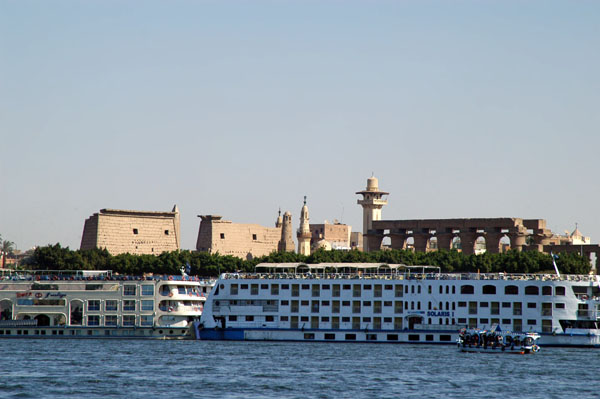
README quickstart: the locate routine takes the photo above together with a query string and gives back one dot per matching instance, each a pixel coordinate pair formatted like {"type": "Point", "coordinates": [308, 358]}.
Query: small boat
{"type": "Point", "coordinates": [497, 341]}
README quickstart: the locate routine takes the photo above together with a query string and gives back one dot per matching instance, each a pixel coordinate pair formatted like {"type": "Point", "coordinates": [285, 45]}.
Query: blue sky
{"type": "Point", "coordinates": [460, 108]}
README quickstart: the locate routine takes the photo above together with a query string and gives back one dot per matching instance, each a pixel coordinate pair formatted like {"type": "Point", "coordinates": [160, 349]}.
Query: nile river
{"type": "Point", "coordinates": [168, 369]}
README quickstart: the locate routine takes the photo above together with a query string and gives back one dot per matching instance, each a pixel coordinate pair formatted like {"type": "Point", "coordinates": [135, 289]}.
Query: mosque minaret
{"type": "Point", "coordinates": [286, 244]}
{"type": "Point", "coordinates": [372, 202]}
{"type": "Point", "coordinates": [303, 234]}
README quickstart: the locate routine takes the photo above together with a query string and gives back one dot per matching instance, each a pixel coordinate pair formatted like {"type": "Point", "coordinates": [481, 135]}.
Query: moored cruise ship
{"type": "Point", "coordinates": [397, 303]}
{"type": "Point", "coordinates": [93, 304]}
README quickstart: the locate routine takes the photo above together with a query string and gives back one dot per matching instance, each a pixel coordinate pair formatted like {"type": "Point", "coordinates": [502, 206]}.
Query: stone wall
{"type": "Point", "coordinates": [338, 235]}
{"type": "Point", "coordinates": [244, 241]}
{"type": "Point", "coordinates": [135, 232]}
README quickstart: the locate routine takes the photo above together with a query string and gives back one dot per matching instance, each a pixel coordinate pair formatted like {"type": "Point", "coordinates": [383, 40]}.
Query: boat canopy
{"type": "Point", "coordinates": [376, 268]}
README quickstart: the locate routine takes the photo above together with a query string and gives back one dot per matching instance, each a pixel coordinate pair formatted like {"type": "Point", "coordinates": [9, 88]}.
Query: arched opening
{"type": "Point", "coordinates": [42, 320]}
{"type": "Point", "coordinates": [59, 320]}
{"type": "Point", "coordinates": [511, 290]}
{"type": "Point", "coordinates": [467, 289]}
{"type": "Point", "coordinates": [76, 312]}
{"type": "Point", "coordinates": [6, 310]}
{"type": "Point", "coordinates": [432, 245]}
{"type": "Point", "coordinates": [386, 242]}
{"type": "Point", "coordinates": [504, 244]}
{"type": "Point", "coordinates": [412, 320]}
{"type": "Point", "coordinates": [456, 244]}
{"type": "Point", "coordinates": [489, 290]}
{"type": "Point", "coordinates": [480, 245]}
{"type": "Point", "coordinates": [410, 243]}
{"type": "Point", "coordinates": [532, 290]}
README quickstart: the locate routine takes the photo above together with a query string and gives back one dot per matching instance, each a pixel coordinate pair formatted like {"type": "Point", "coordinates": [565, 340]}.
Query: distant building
{"type": "Point", "coordinates": [244, 241]}
{"type": "Point", "coordinates": [356, 240]}
{"type": "Point", "coordinates": [134, 232]}
{"type": "Point", "coordinates": [330, 235]}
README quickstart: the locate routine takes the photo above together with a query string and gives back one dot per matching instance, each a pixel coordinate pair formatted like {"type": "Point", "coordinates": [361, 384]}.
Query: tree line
{"type": "Point", "coordinates": [55, 257]}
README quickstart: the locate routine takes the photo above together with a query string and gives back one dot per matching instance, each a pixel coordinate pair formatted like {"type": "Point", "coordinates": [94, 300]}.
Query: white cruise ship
{"type": "Point", "coordinates": [92, 304]}
{"type": "Point", "coordinates": [397, 303]}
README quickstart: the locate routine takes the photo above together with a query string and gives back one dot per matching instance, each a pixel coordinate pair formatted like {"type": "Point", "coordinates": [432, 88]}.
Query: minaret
{"type": "Point", "coordinates": [304, 231]}
{"type": "Point", "coordinates": [372, 202]}
{"type": "Point", "coordinates": [279, 220]}
{"type": "Point", "coordinates": [286, 244]}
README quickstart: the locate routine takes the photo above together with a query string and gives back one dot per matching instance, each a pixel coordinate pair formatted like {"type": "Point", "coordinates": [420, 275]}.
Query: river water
{"type": "Point", "coordinates": [145, 369]}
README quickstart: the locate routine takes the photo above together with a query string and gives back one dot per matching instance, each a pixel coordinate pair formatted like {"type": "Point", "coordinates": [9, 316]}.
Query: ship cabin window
{"type": "Point", "coordinates": [93, 305]}
{"type": "Point", "coordinates": [532, 290]}
{"type": "Point", "coordinates": [371, 337]}
{"type": "Point", "coordinates": [356, 292]}
{"type": "Point", "coordinates": [506, 304]}
{"type": "Point", "coordinates": [448, 290]}
{"type": "Point", "coordinates": [559, 291]}
{"type": "Point", "coordinates": [399, 291]}
{"type": "Point", "coordinates": [531, 322]}
{"type": "Point", "coordinates": [148, 304]}
{"type": "Point", "coordinates": [329, 336]}
{"type": "Point", "coordinates": [335, 290]}
{"type": "Point", "coordinates": [387, 303]}
{"type": "Point", "coordinates": [345, 303]}
{"type": "Point", "coordinates": [418, 305]}
{"type": "Point", "coordinates": [147, 290]}
{"type": "Point", "coordinates": [511, 290]}
{"type": "Point", "coordinates": [249, 318]}
{"type": "Point", "coordinates": [483, 304]}
{"type": "Point", "coordinates": [483, 321]}
{"type": "Point", "coordinates": [546, 290]}
{"type": "Point", "coordinates": [345, 320]}
{"type": "Point", "coordinates": [428, 305]}
{"type": "Point", "coordinates": [264, 286]}
{"type": "Point", "coordinates": [462, 320]}
{"type": "Point", "coordinates": [129, 305]}
{"type": "Point", "coordinates": [392, 337]}
{"type": "Point", "coordinates": [412, 289]}
{"type": "Point", "coordinates": [350, 337]}
{"type": "Point", "coordinates": [285, 303]}
{"type": "Point", "coordinates": [346, 286]}
{"type": "Point", "coordinates": [366, 319]}
{"type": "Point", "coordinates": [419, 289]}
{"type": "Point", "coordinates": [253, 289]}
{"type": "Point", "coordinates": [110, 305]}
{"type": "Point", "coordinates": [325, 286]}
{"type": "Point", "coordinates": [441, 290]}
{"type": "Point", "coordinates": [232, 318]}
{"type": "Point", "coordinates": [146, 320]}
{"type": "Point", "coordinates": [387, 287]}
{"type": "Point", "coordinates": [413, 337]}
{"type": "Point", "coordinates": [325, 303]}
{"type": "Point", "coordinates": [305, 286]}
{"type": "Point", "coordinates": [377, 291]}
{"type": "Point", "coordinates": [325, 319]}
{"type": "Point", "coordinates": [367, 287]}
{"type": "Point", "coordinates": [295, 290]}
{"type": "Point", "coordinates": [559, 305]}
{"type": "Point", "coordinates": [269, 318]}
{"type": "Point", "coordinates": [462, 304]}
{"type": "Point", "coordinates": [274, 289]}
{"type": "Point", "coordinates": [489, 290]}
{"type": "Point", "coordinates": [233, 289]}
{"type": "Point", "coordinates": [244, 286]}
{"type": "Point", "coordinates": [129, 290]}
{"type": "Point", "coordinates": [304, 303]}
{"type": "Point", "coordinates": [429, 337]}
{"type": "Point", "coordinates": [316, 290]}
{"type": "Point", "coordinates": [304, 318]}
{"type": "Point", "coordinates": [387, 319]}
{"type": "Point", "coordinates": [531, 305]}
{"type": "Point", "coordinates": [467, 289]}
{"type": "Point", "coordinates": [285, 286]}
{"type": "Point", "coordinates": [110, 320]}
{"type": "Point", "coordinates": [453, 289]}
{"type": "Point", "coordinates": [309, 335]}
{"type": "Point", "coordinates": [283, 318]}
{"type": "Point", "coordinates": [93, 320]}
{"type": "Point", "coordinates": [367, 303]}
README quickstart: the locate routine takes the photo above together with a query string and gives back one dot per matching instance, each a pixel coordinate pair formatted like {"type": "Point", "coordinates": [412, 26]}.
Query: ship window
{"type": "Point", "coordinates": [371, 337]}
{"type": "Point", "coordinates": [147, 290]}
{"type": "Point", "coordinates": [419, 289]}
{"type": "Point", "coordinates": [309, 336]}
{"type": "Point", "coordinates": [532, 290]}
{"type": "Point", "coordinates": [346, 286]}
{"type": "Point", "coordinates": [253, 289]}
{"type": "Point", "coordinates": [559, 291]}
{"type": "Point", "coordinates": [329, 336]}
{"type": "Point", "coordinates": [511, 290]}
{"type": "Point", "coordinates": [387, 303]}
{"type": "Point", "coordinates": [462, 304]}
{"type": "Point", "coordinates": [232, 318]}
{"type": "Point", "coordinates": [462, 320]}
{"type": "Point", "coordinates": [388, 287]}
{"type": "Point", "coordinates": [447, 290]}
{"type": "Point", "coordinates": [506, 304]}
{"type": "Point", "coordinates": [345, 319]}
{"type": "Point", "coordinates": [531, 322]}
{"type": "Point", "coordinates": [146, 320]}
{"type": "Point", "coordinates": [129, 320]}
{"type": "Point", "coordinates": [110, 320]}
{"type": "Point", "coordinates": [249, 318]}
{"type": "Point", "coordinates": [244, 286]}
{"type": "Point", "coordinates": [454, 289]}
{"type": "Point", "coordinates": [305, 286]}
{"type": "Point", "coordinates": [546, 290]}
{"type": "Point", "coordinates": [129, 290]}
{"type": "Point", "coordinates": [93, 305]}
{"type": "Point", "coordinates": [285, 303]}
{"type": "Point", "coordinates": [283, 318]}
{"type": "Point", "coordinates": [366, 319]}
{"type": "Point", "coordinates": [367, 303]}
{"type": "Point", "coordinates": [467, 289]}
{"type": "Point", "coordinates": [264, 286]}
{"type": "Point", "coordinates": [441, 289]}
{"type": "Point", "coordinates": [531, 305]}
{"type": "Point", "coordinates": [325, 286]}
{"type": "Point", "coordinates": [489, 290]}
{"type": "Point", "coordinates": [147, 304]}
{"type": "Point", "coordinates": [413, 337]}
{"type": "Point", "coordinates": [129, 305]}
{"type": "Point", "coordinates": [483, 304]}
{"type": "Point", "coordinates": [483, 321]}
{"type": "Point", "coordinates": [392, 337]}
{"type": "Point", "coordinates": [350, 337]}
{"type": "Point", "coordinates": [285, 286]}
{"type": "Point", "coordinates": [345, 303]}
{"type": "Point", "coordinates": [559, 305]}
{"type": "Point", "coordinates": [93, 320]}
{"type": "Point", "coordinates": [387, 319]}
{"type": "Point", "coordinates": [233, 289]}
{"type": "Point", "coordinates": [110, 305]}
{"type": "Point", "coordinates": [429, 337]}
{"type": "Point", "coordinates": [367, 286]}
{"type": "Point", "coordinates": [445, 338]}
{"type": "Point", "coordinates": [325, 303]}
{"type": "Point", "coordinates": [304, 303]}
{"type": "Point", "coordinates": [325, 319]}
{"type": "Point", "coordinates": [269, 318]}
{"type": "Point", "coordinates": [304, 318]}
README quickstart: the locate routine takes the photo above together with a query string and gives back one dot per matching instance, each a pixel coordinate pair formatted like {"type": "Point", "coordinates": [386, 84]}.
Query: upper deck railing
{"type": "Point", "coordinates": [87, 275]}
{"type": "Point", "coordinates": [412, 276]}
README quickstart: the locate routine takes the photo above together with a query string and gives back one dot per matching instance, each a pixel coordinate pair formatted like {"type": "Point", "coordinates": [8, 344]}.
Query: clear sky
{"type": "Point", "coordinates": [460, 108]}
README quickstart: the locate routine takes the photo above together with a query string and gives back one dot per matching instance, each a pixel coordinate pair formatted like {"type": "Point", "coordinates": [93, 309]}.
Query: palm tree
{"type": "Point", "coordinates": [6, 248]}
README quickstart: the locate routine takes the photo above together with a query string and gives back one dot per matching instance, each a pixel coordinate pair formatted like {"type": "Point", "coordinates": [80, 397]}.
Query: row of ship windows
{"type": "Point", "coordinates": [399, 290]}
{"type": "Point", "coordinates": [126, 320]}
{"type": "Point", "coordinates": [93, 305]}
{"type": "Point", "coordinates": [399, 306]}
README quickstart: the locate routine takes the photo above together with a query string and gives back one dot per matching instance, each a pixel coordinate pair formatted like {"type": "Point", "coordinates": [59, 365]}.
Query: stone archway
{"type": "Point", "coordinates": [480, 245]}
{"type": "Point", "coordinates": [456, 244]}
